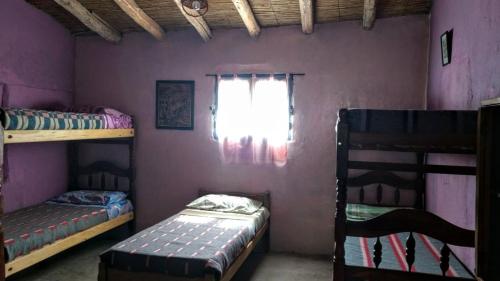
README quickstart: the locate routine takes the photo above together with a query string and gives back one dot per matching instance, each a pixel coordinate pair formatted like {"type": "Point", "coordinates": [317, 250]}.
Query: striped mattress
{"type": "Point", "coordinates": [190, 244]}
{"type": "Point", "coordinates": [359, 252]}
{"type": "Point", "coordinates": [31, 228]}
{"type": "Point", "coordinates": [31, 119]}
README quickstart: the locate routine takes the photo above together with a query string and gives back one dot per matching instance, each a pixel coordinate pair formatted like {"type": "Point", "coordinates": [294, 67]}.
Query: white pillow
{"type": "Point", "coordinates": [226, 203]}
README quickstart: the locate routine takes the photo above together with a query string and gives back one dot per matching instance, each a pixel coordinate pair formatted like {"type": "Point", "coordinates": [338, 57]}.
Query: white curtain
{"type": "Point", "coordinates": [252, 121]}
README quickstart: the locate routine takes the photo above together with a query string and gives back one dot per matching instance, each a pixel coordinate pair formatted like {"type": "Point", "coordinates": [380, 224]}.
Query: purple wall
{"type": "Point", "coordinates": [472, 76]}
{"type": "Point", "coordinates": [344, 66]}
{"type": "Point", "coordinates": [37, 67]}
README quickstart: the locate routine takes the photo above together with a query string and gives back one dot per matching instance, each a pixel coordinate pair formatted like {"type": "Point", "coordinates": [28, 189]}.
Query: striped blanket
{"type": "Point", "coordinates": [31, 119]}
{"type": "Point", "coordinates": [427, 253]}
{"type": "Point", "coordinates": [34, 227]}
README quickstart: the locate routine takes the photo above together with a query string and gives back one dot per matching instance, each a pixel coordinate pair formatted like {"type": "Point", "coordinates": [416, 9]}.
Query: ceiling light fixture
{"type": "Point", "coordinates": [195, 8]}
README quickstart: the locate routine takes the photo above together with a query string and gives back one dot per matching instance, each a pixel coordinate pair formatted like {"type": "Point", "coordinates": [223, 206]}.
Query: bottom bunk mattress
{"type": "Point", "coordinates": [191, 243]}
{"type": "Point", "coordinates": [32, 228]}
{"type": "Point", "coordinates": [358, 252]}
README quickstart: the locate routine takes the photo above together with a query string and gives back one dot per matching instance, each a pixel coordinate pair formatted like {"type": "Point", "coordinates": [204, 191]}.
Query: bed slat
{"type": "Point", "coordinates": [406, 167]}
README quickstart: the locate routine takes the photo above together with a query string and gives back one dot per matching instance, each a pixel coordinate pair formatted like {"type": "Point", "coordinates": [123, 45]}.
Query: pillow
{"type": "Point", "coordinates": [226, 203]}
{"type": "Point", "coordinates": [90, 197]}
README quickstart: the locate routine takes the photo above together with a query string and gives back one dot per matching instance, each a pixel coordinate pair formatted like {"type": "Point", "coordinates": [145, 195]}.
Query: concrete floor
{"type": "Point", "coordinates": [80, 264]}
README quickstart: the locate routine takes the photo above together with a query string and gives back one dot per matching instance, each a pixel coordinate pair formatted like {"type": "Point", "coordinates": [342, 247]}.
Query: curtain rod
{"type": "Point", "coordinates": [232, 74]}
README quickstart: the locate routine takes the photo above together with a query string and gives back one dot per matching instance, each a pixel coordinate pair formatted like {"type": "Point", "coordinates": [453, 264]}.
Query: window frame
{"type": "Point", "coordinates": [279, 76]}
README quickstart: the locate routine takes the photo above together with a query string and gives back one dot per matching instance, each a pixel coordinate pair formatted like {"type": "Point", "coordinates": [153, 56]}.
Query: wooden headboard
{"type": "Point", "coordinates": [103, 175]}
{"type": "Point", "coordinates": [379, 178]}
{"type": "Point", "coordinates": [264, 197]}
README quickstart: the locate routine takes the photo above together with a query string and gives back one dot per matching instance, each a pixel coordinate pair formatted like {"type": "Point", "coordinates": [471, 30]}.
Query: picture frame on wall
{"type": "Point", "coordinates": [446, 47]}
{"type": "Point", "coordinates": [175, 104]}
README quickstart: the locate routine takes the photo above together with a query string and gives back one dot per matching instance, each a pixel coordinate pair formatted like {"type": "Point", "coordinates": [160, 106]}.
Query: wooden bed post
{"type": "Point", "coordinates": [2, 258]}
{"type": "Point", "coordinates": [487, 194]}
{"type": "Point", "coordinates": [421, 183]}
{"type": "Point", "coordinates": [73, 150]}
{"type": "Point", "coordinates": [131, 167]}
{"type": "Point", "coordinates": [340, 214]}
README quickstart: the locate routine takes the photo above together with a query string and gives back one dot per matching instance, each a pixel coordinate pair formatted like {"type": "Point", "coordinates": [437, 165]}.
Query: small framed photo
{"type": "Point", "coordinates": [175, 105]}
{"type": "Point", "coordinates": [446, 47]}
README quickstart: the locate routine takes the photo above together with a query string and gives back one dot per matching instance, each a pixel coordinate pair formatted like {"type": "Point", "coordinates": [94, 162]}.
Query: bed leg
{"type": "Point", "coordinates": [131, 227]}
{"type": "Point", "coordinates": [103, 272]}
{"type": "Point", "coordinates": [267, 241]}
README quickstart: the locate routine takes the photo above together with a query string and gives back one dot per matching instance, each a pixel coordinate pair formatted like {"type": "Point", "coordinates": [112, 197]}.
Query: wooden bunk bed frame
{"type": "Point", "coordinates": [26, 136]}
{"type": "Point", "coordinates": [263, 235]}
{"type": "Point", "coordinates": [111, 136]}
{"type": "Point", "coordinates": [419, 132]}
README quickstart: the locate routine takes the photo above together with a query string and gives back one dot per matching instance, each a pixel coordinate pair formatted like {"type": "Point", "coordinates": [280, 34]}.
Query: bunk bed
{"type": "Point", "coordinates": [36, 233]}
{"type": "Point", "coordinates": [195, 244]}
{"type": "Point", "coordinates": [409, 243]}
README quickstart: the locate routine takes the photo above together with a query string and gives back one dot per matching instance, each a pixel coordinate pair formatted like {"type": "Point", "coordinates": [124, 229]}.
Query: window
{"type": "Point", "coordinates": [253, 117]}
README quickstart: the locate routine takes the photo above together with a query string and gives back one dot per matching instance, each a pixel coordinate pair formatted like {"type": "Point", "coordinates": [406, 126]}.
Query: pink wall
{"type": "Point", "coordinates": [344, 66]}
{"type": "Point", "coordinates": [473, 75]}
{"type": "Point", "coordinates": [37, 67]}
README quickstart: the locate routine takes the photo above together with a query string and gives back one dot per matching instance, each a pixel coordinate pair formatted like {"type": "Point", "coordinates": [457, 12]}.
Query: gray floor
{"type": "Point", "coordinates": [80, 264]}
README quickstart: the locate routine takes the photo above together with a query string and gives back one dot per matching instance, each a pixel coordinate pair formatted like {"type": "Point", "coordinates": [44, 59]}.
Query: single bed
{"type": "Point", "coordinates": [191, 245]}
{"type": "Point", "coordinates": [38, 232]}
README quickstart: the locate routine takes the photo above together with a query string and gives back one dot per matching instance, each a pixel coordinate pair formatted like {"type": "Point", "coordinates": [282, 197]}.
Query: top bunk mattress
{"type": "Point", "coordinates": [189, 244]}
{"type": "Point", "coordinates": [32, 119]}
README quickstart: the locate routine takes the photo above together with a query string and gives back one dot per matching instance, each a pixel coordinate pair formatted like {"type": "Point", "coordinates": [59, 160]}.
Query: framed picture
{"type": "Point", "coordinates": [446, 47]}
{"type": "Point", "coordinates": [175, 105]}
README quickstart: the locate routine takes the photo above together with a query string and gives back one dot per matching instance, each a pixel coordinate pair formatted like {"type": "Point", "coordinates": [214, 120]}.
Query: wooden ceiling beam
{"type": "Point", "coordinates": [369, 14]}
{"type": "Point", "coordinates": [198, 23]}
{"type": "Point", "coordinates": [91, 20]}
{"type": "Point", "coordinates": [306, 16]}
{"type": "Point", "coordinates": [131, 8]}
{"type": "Point", "coordinates": [247, 16]}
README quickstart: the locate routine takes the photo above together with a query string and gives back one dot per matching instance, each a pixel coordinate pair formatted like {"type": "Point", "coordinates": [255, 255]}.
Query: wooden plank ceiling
{"type": "Point", "coordinates": [226, 14]}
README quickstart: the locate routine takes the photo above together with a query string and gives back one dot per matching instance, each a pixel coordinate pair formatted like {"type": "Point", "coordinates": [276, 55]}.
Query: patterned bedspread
{"type": "Point", "coordinates": [31, 228]}
{"type": "Point", "coordinates": [190, 243]}
{"type": "Point", "coordinates": [359, 251]}
{"type": "Point", "coordinates": [30, 119]}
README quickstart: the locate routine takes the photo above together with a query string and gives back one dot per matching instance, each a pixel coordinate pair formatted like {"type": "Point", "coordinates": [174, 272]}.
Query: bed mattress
{"type": "Point", "coordinates": [190, 243]}
{"type": "Point", "coordinates": [31, 228]}
{"type": "Point", "coordinates": [30, 119]}
{"type": "Point", "coordinates": [427, 253]}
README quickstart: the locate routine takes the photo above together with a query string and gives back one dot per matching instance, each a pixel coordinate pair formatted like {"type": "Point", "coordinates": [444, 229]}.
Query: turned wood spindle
{"type": "Point", "coordinates": [103, 181]}
{"type": "Point", "coordinates": [410, 251]}
{"type": "Point", "coordinates": [380, 189]}
{"type": "Point", "coordinates": [397, 196]}
{"type": "Point", "coordinates": [377, 253]}
{"type": "Point", "coordinates": [445, 259]}
{"type": "Point", "coordinates": [362, 195]}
